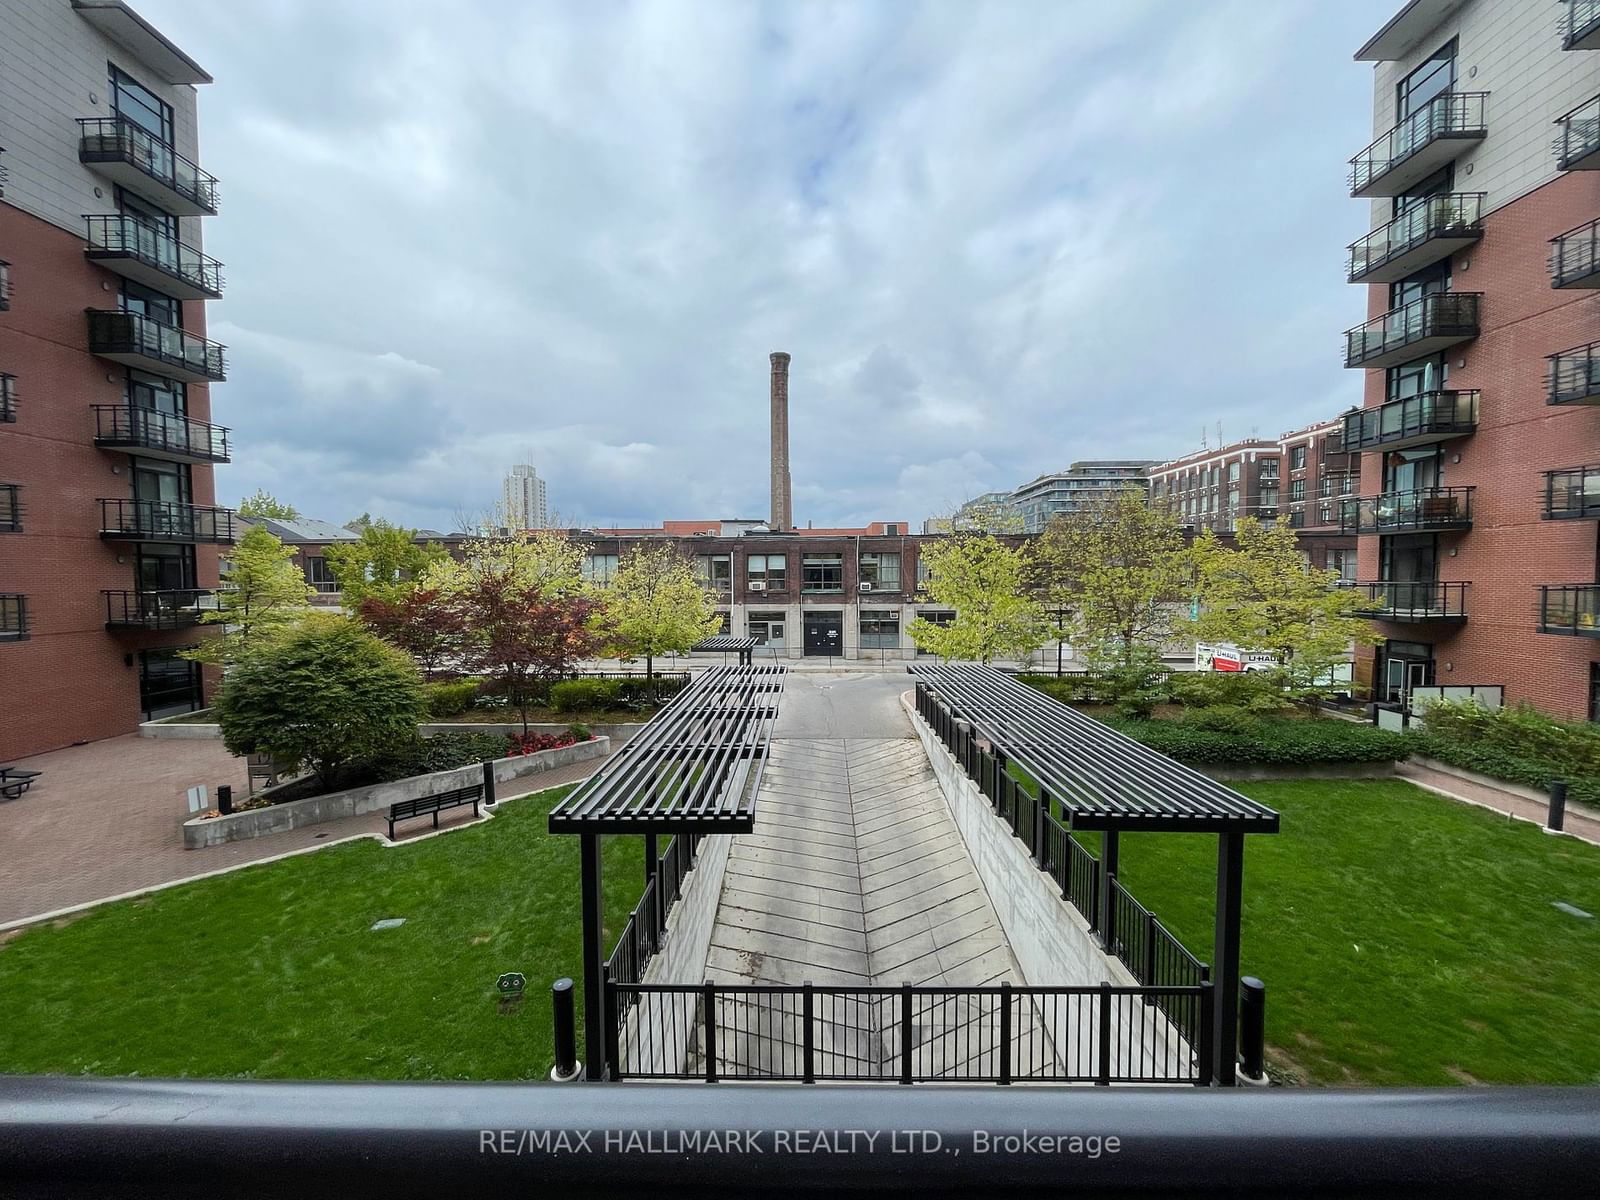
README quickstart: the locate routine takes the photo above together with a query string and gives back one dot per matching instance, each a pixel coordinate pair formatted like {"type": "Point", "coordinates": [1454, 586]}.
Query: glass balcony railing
{"type": "Point", "coordinates": [159, 434]}
{"type": "Point", "coordinates": [1573, 494]}
{"type": "Point", "coordinates": [140, 341]}
{"type": "Point", "coordinates": [143, 163]}
{"type": "Point", "coordinates": [164, 521]}
{"type": "Point", "coordinates": [1572, 610]}
{"type": "Point", "coordinates": [1419, 145]}
{"type": "Point", "coordinates": [1413, 421]}
{"type": "Point", "coordinates": [175, 609]}
{"type": "Point", "coordinates": [1575, 257]}
{"type": "Point", "coordinates": [131, 247]}
{"type": "Point", "coordinates": [1422, 235]}
{"type": "Point", "coordinates": [1574, 376]}
{"type": "Point", "coordinates": [1425, 326]}
{"type": "Point", "coordinates": [1578, 143]}
{"type": "Point", "coordinates": [1420, 509]}
{"type": "Point", "coordinates": [1412, 600]}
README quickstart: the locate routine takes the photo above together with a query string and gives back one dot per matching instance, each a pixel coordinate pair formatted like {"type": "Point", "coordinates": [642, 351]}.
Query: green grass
{"type": "Point", "coordinates": [272, 972]}
{"type": "Point", "coordinates": [1404, 939]}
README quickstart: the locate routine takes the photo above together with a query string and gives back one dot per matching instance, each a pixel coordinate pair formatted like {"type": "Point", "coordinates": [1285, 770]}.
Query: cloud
{"type": "Point", "coordinates": [995, 237]}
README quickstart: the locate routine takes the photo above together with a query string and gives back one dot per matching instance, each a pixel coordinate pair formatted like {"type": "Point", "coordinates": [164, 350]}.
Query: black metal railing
{"type": "Point", "coordinates": [171, 609]}
{"type": "Point", "coordinates": [122, 235]}
{"type": "Point", "coordinates": [8, 397]}
{"type": "Point", "coordinates": [1413, 600]}
{"type": "Point", "coordinates": [1579, 139]}
{"type": "Point", "coordinates": [1580, 24]}
{"type": "Point", "coordinates": [116, 333]}
{"type": "Point", "coordinates": [13, 616]}
{"type": "Point", "coordinates": [127, 425]}
{"type": "Point", "coordinates": [1453, 215]}
{"type": "Point", "coordinates": [164, 520]}
{"type": "Point", "coordinates": [647, 923]}
{"type": "Point", "coordinates": [1572, 494]}
{"type": "Point", "coordinates": [1439, 315]}
{"type": "Point", "coordinates": [1452, 115]}
{"type": "Point", "coordinates": [1423, 417]}
{"type": "Point", "coordinates": [820, 1033]}
{"type": "Point", "coordinates": [1569, 609]}
{"type": "Point", "coordinates": [1400, 512]}
{"type": "Point", "coordinates": [5, 285]}
{"type": "Point", "coordinates": [10, 508]}
{"type": "Point", "coordinates": [1574, 375]}
{"type": "Point", "coordinates": [1575, 257]}
{"type": "Point", "coordinates": [117, 139]}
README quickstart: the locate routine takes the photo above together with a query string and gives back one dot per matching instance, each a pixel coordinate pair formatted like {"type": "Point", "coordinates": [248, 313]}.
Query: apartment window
{"type": "Point", "coordinates": [1347, 485]}
{"type": "Point", "coordinates": [1269, 497]}
{"type": "Point", "coordinates": [157, 480]}
{"type": "Point", "coordinates": [880, 629]}
{"type": "Point", "coordinates": [766, 628]}
{"type": "Point", "coordinates": [156, 393]}
{"type": "Point", "coordinates": [1233, 500]}
{"type": "Point", "coordinates": [1297, 490]}
{"type": "Point", "coordinates": [1325, 514]}
{"type": "Point", "coordinates": [1233, 472]}
{"type": "Point", "coordinates": [1427, 83]}
{"type": "Point", "coordinates": [1269, 468]}
{"type": "Point", "coordinates": [320, 576]}
{"type": "Point", "coordinates": [1297, 458]}
{"type": "Point", "coordinates": [10, 508]}
{"type": "Point", "coordinates": [168, 684]}
{"type": "Point", "coordinates": [770, 571]}
{"type": "Point", "coordinates": [600, 568]}
{"type": "Point", "coordinates": [165, 568]}
{"type": "Point", "coordinates": [714, 571]}
{"type": "Point", "coordinates": [822, 573]}
{"type": "Point", "coordinates": [882, 571]}
{"type": "Point", "coordinates": [13, 617]}
{"type": "Point", "coordinates": [1413, 378]}
{"type": "Point", "coordinates": [893, 529]}
{"type": "Point", "coordinates": [135, 102]}
{"type": "Point", "coordinates": [936, 617]}
{"type": "Point", "coordinates": [153, 304]}
{"type": "Point", "coordinates": [725, 621]}
{"type": "Point", "coordinates": [1344, 562]}
{"type": "Point", "coordinates": [1594, 691]}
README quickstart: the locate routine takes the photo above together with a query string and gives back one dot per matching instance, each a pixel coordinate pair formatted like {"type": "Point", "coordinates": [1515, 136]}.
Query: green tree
{"type": "Point", "coordinates": [264, 594]}
{"type": "Point", "coordinates": [264, 504]}
{"type": "Point", "coordinates": [1263, 595]}
{"type": "Point", "coordinates": [384, 561]}
{"type": "Point", "coordinates": [542, 563]}
{"type": "Point", "coordinates": [328, 696]}
{"type": "Point", "coordinates": [987, 583]}
{"type": "Point", "coordinates": [654, 605]}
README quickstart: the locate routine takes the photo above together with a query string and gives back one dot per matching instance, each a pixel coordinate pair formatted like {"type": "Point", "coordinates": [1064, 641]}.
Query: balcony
{"type": "Point", "coordinates": [1413, 421]}
{"type": "Point", "coordinates": [1578, 144]}
{"type": "Point", "coordinates": [1572, 495]}
{"type": "Point", "coordinates": [138, 341]}
{"type": "Point", "coordinates": [5, 286]}
{"type": "Point", "coordinates": [1412, 600]}
{"type": "Point", "coordinates": [10, 508]}
{"type": "Point", "coordinates": [1575, 258]}
{"type": "Point", "coordinates": [1580, 27]}
{"type": "Point", "coordinates": [1433, 230]}
{"type": "Point", "coordinates": [1425, 326]}
{"type": "Point", "coordinates": [155, 434]}
{"type": "Point", "coordinates": [1574, 611]}
{"type": "Point", "coordinates": [152, 257]}
{"type": "Point", "coordinates": [164, 521]}
{"type": "Point", "coordinates": [178, 609]}
{"type": "Point", "coordinates": [13, 617]}
{"type": "Point", "coordinates": [1574, 376]}
{"type": "Point", "coordinates": [8, 397]}
{"type": "Point", "coordinates": [1416, 511]}
{"type": "Point", "coordinates": [1421, 144]}
{"type": "Point", "coordinates": [132, 156]}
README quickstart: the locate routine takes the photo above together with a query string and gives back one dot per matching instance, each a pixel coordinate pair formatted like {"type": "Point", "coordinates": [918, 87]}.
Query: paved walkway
{"type": "Point", "coordinates": [1580, 823]}
{"type": "Point", "coordinates": [106, 819]}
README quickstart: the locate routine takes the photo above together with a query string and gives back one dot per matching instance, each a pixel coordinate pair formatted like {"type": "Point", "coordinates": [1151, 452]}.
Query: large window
{"type": "Point", "coordinates": [1297, 490]}
{"type": "Point", "coordinates": [766, 628]}
{"type": "Point", "coordinates": [1344, 562]}
{"type": "Point", "coordinates": [1269, 469]}
{"type": "Point", "coordinates": [600, 568]}
{"type": "Point", "coordinates": [1413, 378]}
{"type": "Point", "coordinates": [320, 575]}
{"type": "Point", "coordinates": [769, 571]}
{"type": "Point", "coordinates": [935, 617]}
{"type": "Point", "coordinates": [163, 568]}
{"type": "Point", "coordinates": [715, 572]}
{"type": "Point", "coordinates": [1297, 458]}
{"type": "Point", "coordinates": [168, 684]}
{"type": "Point", "coordinates": [153, 304]}
{"type": "Point", "coordinates": [132, 100]}
{"type": "Point", "coordinates": [822, 573]}
{"type": "Point", "coordinates": [880, 629]}
{"type": "Point", "coordinates": [882, 571]}
{"type": "Point", "coordinates": [1429, 81]}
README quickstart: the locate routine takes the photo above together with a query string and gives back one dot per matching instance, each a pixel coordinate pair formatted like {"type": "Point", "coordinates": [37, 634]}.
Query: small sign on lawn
{"type": "Point", "coordinates": [198, 799]}
{"type": "Point", "coordinates": [511, 983]}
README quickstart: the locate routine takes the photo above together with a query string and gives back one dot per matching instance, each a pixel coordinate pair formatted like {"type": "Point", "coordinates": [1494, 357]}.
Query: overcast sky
{"type": "Point", "coordinates": [995, 238]}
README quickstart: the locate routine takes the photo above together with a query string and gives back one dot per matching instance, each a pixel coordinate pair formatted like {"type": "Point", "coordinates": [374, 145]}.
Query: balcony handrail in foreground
{"type": "Point", "coordinates": [169, 608]}
{"type": "Point", "coordinates": [151, 429]}
{"type": "Point", "coordinates": [1417, 508]}
{"type": "Point", "coordinates": [117, 139]}
{"type": "Point", "coordinates": [115, 332]}
{"type": "Point", "coordinates": [1572, 494]}
{"type": "Point", "coordinates": [1452, 315]}
{"type": "Point", "coordinates": [1450, 214]}
{"type": "Point", "coordinates": [1579, 140]}
{"type": "Point", "coordinates": [1441, 414]}
{"type": "Point", "coordinates": [1413, 600]}
{"type": "Point", "coordinates": [124, 234]}
{"type": "Point", "coordinates": [1451, 115]}
{"type": "Point", "coordinates": [165, 520]}
{"type": "Point", "coordinates": [1571, 609]}
{"type": "Point", "coordinates": [1574, 375]}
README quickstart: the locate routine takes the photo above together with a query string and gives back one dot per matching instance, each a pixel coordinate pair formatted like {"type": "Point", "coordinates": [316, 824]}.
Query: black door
{"type": "Point", "coordinates": [168, 684]}
{"type": "Point", "coordinates": [824, 633]}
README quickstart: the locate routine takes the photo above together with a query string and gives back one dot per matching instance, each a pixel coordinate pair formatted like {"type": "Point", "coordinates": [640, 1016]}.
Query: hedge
{"type": "Point", "coordinates": [1280, 741]}
{"type": "Point", "coordinates": [1486, 758]}
{"type": "Point", "coordinates": [451, 698]}
{"type": "Point", "coordinates": [572, 695]}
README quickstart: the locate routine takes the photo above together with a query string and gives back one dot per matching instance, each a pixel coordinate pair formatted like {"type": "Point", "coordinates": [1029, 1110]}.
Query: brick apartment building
{"type": "Point", "coordinates": [109, 537]}
{"type": "Point", "coordinates": [1478, 436]}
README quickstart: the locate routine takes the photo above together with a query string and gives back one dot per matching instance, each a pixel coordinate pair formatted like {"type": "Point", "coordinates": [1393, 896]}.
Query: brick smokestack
{"type": "Point", "coordinates": [782, 508]}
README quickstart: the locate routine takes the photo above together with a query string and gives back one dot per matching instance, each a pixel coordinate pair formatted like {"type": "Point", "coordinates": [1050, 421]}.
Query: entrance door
{"type": "Point", "coordinates": [824, 633]}
{"type": "Point", "coordinates": [1407, 665]}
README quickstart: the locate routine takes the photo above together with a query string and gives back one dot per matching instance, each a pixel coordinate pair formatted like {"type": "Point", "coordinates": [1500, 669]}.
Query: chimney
{"type": "Point", "coordinates": [782, 509]}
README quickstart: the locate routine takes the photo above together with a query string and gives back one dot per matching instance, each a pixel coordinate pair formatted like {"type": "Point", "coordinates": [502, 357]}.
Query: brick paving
{"type": "Point", "coordinates": [106, 818]}
{"type": "Point", "coordinates": [1580, 822]}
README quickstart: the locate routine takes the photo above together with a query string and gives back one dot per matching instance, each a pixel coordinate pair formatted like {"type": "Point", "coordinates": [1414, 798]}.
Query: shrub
{"type": "Point", "coordinates": [1258, 692]}
{"type": "Point", "coordinates": [1069, 689]}
{"type": "Point", "coordinates": [574, 695]}
{"type": "Point", "coordinates": [1273, 741]}
{"type": "Point", "coordinates": [580, 733]}
{"type": "Point", "coordinates": [1221, 718]}
{"type": "Point", "coordinates": [1519, 745]}
{"type": "Point", "coordinates": [451, 698]}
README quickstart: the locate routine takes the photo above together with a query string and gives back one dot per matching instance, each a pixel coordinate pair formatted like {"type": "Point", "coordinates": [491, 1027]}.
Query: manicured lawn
{"type": "Point", "coordinates": [273, 972]}
{"type": "Point", "coordinates": [1403, 938]}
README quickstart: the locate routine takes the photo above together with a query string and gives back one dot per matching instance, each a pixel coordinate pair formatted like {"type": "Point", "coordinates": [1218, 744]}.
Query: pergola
{"type": "Point", "coordinates": [693, 769]}
{"type": "Point", "coordinates": [727, 643]}
{"type": "Point", "coordinates": [1106, 781]}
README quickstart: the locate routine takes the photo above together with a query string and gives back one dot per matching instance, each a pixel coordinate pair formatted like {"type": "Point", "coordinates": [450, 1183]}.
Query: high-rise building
{"type": "Point", "coordinates": [1479, 436]}
{"type": "Point", "coordinates": [525, 506]}
{"type": "Point", "coordinates": [1080, 485]}
{"type": "Point", "coordinates": [109, 532]}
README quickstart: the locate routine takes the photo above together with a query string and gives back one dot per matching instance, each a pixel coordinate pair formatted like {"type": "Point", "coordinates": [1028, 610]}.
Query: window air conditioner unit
{"type": "Point", "coordinates": [865, 587]}
{"type": "Point", "coordinates": [757, 585]}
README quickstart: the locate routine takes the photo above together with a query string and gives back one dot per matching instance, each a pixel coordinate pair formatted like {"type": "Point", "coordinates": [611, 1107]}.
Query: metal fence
{"type": "Point", "coordinates": [647, 923]}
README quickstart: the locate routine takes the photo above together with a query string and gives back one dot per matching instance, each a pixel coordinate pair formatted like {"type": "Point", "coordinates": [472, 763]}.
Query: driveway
{"type": "Point", "coordinates": [857, 705]}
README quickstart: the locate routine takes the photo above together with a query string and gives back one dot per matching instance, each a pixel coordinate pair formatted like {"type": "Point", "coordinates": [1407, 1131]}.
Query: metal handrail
{"type": "Point", "coordinates": [1438, 314]}
{"type": "Point", "coordinates": [1571, 609]}
{"type": "Point", "coordinates": [166, 519]}
{"type": "Point", "coordinates": [10, 508]}
{"type": "Point", "coordinates": [1451, 214]}
{"type": "Point", "coordinates": [13, 616]}
{"type": "Point", "coordinates": [1453, 113]}
{"type": "Point", "coordinates": [1418, 508]}
{"type": "Point", "coordinates": [129, 424]}
{"type": "Point", "coordinates": [1446, 412]}
{"type": "Point", "coordinates": [113, 331]}
{"type": "Point", "coordinates": [117, 136]}
{"type": "Point", "coordinates": [1574, 492]}
{"type": "Point", "coordinates": [8, 397]}
{"type": "Point", "coordinates": [1582, 18]}
{"type": "Point", "coordinates": [1575, 254]}
{"type": "Point", "coordinates": [122, 233]}
{"type": "Point", "coordinates": [1414, 599]}
{"type": "Point", "coordinates": [172, 608]}
{"type": "Point", "coordinates": [1580, 134]}
{"type": "Point", "coordinates": [1574, 374]}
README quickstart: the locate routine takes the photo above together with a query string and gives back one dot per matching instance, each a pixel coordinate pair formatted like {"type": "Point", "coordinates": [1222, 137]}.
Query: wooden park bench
{"type": "Point", "coordinates": [14, 781]}
{"type": "Point", "coordinates": [404, 810]}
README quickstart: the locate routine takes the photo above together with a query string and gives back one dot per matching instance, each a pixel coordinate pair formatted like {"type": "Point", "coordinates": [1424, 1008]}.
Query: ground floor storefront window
{"type": "Point", "coordinates": [880, 629]}
{"type": "Point", "coordinates": [766, 628]}
{"type": "Point", "coordinates": [169, 684]}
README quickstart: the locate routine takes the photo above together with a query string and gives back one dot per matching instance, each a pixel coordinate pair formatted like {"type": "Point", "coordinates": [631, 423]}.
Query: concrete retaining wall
{"type": "Point", "coordinates": [618, 733]}
{"type": "Point", "coordinates": [294, 814]}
